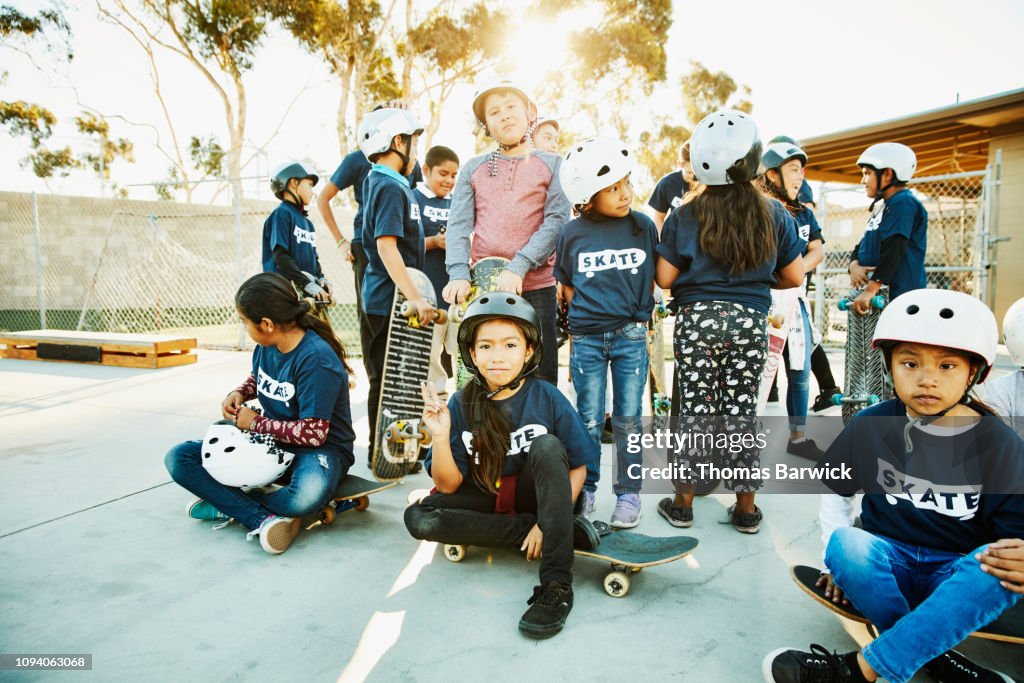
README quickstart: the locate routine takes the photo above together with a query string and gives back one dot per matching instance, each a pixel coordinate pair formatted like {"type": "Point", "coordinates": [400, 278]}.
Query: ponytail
{"type": "Point", "coordinates": [491, 436]}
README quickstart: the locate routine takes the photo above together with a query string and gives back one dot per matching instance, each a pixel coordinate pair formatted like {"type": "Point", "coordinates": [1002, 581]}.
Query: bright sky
{"type": "Point", "coordinates": [813, 68]}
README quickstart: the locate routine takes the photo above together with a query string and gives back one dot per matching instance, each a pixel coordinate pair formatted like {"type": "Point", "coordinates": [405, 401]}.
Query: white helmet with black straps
{"type": "Point", "coordinates": [378, 128]}
{"type": "Point", "coordinates": [592, 166]}
{"type": "Point", "coordinates": [940, 317]}
{"type": "Point", "coordinates": [1013, 332]}
{"type": "Point", "coordinates": [502, 84]}
{"type": "Point", "coordinates": [241, 458]}
{"type": "Point", "coordinates": [725, 149]}
{"type": "Point", "coordinates": [900, 158]}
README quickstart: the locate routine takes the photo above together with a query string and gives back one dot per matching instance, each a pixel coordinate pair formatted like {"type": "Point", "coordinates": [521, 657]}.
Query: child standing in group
{"type": "Point", "coordinates": [545, 135]}
{"type": "Point", "coordinates": [289, 238]}
{"type": "Point", "coordinates": [721, 252]}
{"type": "Point", "coordinates": [393, 235]}
{"type": "Point", "coordinates": [942, 481]}
{"type": "Point", "coordinates": [605, 263]}
{"type": "Point", "coordinates": [300, 378]}
{"type": "Point", "coordinates": [509, 457]}
{"type": "Point", "coordinates": [668, 193]}
{"type": "Point", "coordinates": [893, 248]}
{"type": "Point", "coordinates": [784, 173]}
{"type": "Point", "coordinates": [510, 202]}
{"type": "Point", "coordinates": [433, 196]}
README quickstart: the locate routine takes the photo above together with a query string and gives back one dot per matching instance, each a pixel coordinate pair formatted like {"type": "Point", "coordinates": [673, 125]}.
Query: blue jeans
{"type": "Point", "coordinates": [625, 351]}
{"type": "Point", "coordinates": [799, 386]}
{"type": "Point", "coordinates": [922, 601]}
{"type": "Point", "coordinates": [315, 475]}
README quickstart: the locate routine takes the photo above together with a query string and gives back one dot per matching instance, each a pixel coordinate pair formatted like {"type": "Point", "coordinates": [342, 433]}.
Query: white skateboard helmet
{"type": "Point", "coordinates": [900, 158]}
{"type": "Point", "coordinates": [940, 317]}
{"type": "Point", "coordinates": [592, 166]}
{"type": "Point", "coordinates": [1013, 332]}
{"type": "Point", "coordinates": [379, 127]}
{"type": "Point", "coordinates": [239, 458]}
{"type": "Point", "coordinates": [503, 84]}
{"type": "Point", "coordinates": [725, 149]}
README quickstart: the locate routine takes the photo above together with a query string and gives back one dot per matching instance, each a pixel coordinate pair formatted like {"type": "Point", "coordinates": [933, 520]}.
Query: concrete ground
{"type": "Point", "coordinates": [98, 557]}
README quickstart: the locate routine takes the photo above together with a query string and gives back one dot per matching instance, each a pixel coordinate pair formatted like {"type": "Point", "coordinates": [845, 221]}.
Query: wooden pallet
{"type": "Point", "coordinates": [103, 348]}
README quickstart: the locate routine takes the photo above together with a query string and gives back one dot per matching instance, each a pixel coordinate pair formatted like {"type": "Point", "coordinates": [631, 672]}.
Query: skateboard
{"type": "Point", "coordinates": [399, 434]}
{"type": "Point", "coordinates": [1009, 627]}
{"type": "Point", "coordinates": [864, 374]}
{"type": "Point", "coordinates": [780, 315]}
{"type": "Point", "coordinates": [660, 399]}
{"type": "Point", "coordinates": [483, 278]}
{"type": "Point", "coordinates": [627, 552]}
{"type": "Point", "coordinates": [353, 493]}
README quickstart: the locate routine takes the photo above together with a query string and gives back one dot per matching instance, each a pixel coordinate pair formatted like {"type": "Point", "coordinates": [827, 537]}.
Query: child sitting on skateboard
{"type": "Point", "coordinates": [893, 248]}
{"type": "Point", "coordinates": [605, 263]}
{"type": "Point", "coordinates": [509, 457]}
{"type": "Point", "coordinates": [784, 174]}
{"type": "Point", "coordinates": [510, 202]}
{"type": "Point", "coordinates": [393, 236]}
{"type": "Point", "coordinates": [721, 252]}
{"type": "Point", "coordinates": [289, 238]}
{"type": "Point", "coordinates": [926, 568]}
{"type": "Point", "coordinates": [300, 378]}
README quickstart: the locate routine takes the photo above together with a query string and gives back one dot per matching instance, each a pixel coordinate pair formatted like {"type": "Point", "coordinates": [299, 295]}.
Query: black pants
{"type": "Point", "coordinates": [358, 269]}
{"type": "Point", "coordinates": [546, 305]}
{"type": "Point", "coordinates": [543, 496]}
{"type": "Point", "coordinates": [373, 359]}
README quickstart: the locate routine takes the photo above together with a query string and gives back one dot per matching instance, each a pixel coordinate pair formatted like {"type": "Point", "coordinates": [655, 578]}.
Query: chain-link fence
{"type": "Point", "coordinates": [110, 265]}
{"type": "Point", "coordinates": [957, 254]}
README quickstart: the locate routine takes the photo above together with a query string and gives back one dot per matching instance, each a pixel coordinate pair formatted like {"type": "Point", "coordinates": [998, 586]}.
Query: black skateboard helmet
{"type": "Point", "coordinates": [494, 305]}
{"type": "Point", "coordinates": [287, 171]}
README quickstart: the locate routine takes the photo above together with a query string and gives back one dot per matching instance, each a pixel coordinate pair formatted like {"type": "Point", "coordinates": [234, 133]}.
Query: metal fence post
{"type": "Point", "coordinates": [40, 284]}
{"type": "Point", "coordinates": [236, 191]}
{"type": "Point", "coordinates": [819, 287]}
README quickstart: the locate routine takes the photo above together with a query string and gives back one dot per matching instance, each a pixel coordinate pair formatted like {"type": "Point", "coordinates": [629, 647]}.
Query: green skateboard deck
{"type": "Point", "coordinates": [484, 278]}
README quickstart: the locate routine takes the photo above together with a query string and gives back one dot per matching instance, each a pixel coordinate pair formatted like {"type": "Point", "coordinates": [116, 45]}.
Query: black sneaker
{"type": "Point", "coordinates": [585, 535]}
{"type": "Point", "coordinates": [805, 449]}
{"type": "Point", "coordinates": [793, 666]}
{"type": "Point", "coordinates": [607, 435]}
{"type": "Point", "coordinates": [824, 400]}
{"type": "Point", "coordinates": [953, 667]}
{"type": "Point", "coordinates": [549, 607]}
{"type": "Point", "coordinates": [746, 522]}
{"type": "Point", "coordinates": [773, 394]}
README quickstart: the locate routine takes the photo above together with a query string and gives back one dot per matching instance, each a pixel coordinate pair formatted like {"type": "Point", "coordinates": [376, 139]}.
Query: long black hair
{"type": "Point", "coordinates": [272, 296]}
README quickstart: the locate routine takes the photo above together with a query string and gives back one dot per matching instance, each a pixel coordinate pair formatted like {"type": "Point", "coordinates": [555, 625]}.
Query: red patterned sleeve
{"type": "Point", "coordinates": [309, 432]}
{"type": "Point", "coordinates": [248, 388]}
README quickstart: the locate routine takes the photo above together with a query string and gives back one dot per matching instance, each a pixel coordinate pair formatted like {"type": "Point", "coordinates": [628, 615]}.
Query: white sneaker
{"type": "Point", "coordinates": [627, 511]}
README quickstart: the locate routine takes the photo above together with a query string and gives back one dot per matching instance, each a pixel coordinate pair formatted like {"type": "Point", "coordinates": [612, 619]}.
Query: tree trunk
{"type": "Point", "coordinates": [407, 66]}
{"type": "Point", "coordinates": [346, 89]}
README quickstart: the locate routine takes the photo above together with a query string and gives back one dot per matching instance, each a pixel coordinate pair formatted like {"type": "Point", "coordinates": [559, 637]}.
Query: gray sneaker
{"type": "Point", "coordinates": [627, 511]}
{"type": "Point", "coordinates": [589, 502]}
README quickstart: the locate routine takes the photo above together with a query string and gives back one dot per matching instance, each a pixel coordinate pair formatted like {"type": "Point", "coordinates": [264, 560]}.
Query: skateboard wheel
{"type": "Point", "coordinates": [837, 399]}
{"type": "Point", "coordinates": [616, 584]}
{"type": "Point", "coordinates": [878, 301]}
{"type": "Point", "coordinates": [425, 436]}
{"type": "Point", "coordinates": [326, 516]}
{"type": "Point", "coordinates": [454, 553]}
{"type": "Point", "coordinates": [362, 502]}
{"type": "Point", "coordinates": [873, 399]}
{"type": "Point", "coordinates": [844, 304]}
{"type": "Point", "coordinates": [441, 316]}
{"type": "Point", "coordinates": [391, 434]}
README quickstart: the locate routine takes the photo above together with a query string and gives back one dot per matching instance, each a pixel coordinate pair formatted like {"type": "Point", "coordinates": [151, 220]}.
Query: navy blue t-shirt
{"type": "Point", "coordinates": [900, 214]}
{"type": "Point", "coordinates": [307, 382]}
{"type": "Point", "coordinates": [704, 278]}
{"type": "Point", "coordinates": [611, 269]}
{"type": "Point", "coordinates": [807, 228]}
{"type": "Point", "coordinates": [287, 226]}
{"type": "Point", "coordinates": [352, 172]}
{"type": "Point", "coordinates": [434, 216]}
{"type": "Point", "coordinates": [538, 408]}
{"type": "Point", "coordinates": [668, 193]}
{"type": "Point", "coordinates": [389, 210]}
{"type": "Point", "coordinates": [930, 497]}
{"type": "Point", "coordinates": [804, 194]}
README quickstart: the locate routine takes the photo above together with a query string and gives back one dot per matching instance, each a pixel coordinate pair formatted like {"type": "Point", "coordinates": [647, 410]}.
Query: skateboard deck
{"type": "Point", "coordinates": [658, 393]}
{"type": "Point", "coordinates": [353, 493]}
{"type": "Point", "coordinates": [780, 315]}
{"type": "Point", "coordinates": [483, 278]}
{"type": "Point", "coordinates": [398, 433]}
{"type": "Point", "coordinates": [1009, 627]}
{"type": "Point", "coordinates": [864, 375]}
{"type": "Point", "coordinates": [627, 552]}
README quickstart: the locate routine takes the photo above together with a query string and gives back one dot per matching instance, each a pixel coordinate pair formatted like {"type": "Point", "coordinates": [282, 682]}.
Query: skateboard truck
{"type": "Point", "coordinates": [870, 399]}
{"type": "Point", "coordinates": [408, 311]}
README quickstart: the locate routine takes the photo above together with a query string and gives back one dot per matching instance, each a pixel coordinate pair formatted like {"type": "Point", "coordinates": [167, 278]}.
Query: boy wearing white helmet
{"type": "Point", "coordinates": [392, 234]}
{"type": "Point", "coordinates": [511, 204]}
{"type": "Point", "coordinates": [289, 238]}
{"type": "Point", "coordinates": [1006, 394]}
{"type": "Point", "coordinates": [721, 253]}
{"type": "Point", "coordinates": [939, 554]}
{"type": "Point", "coordinates": [605, 263]}
{"type": "Point", "coordinates": [892, 251]}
